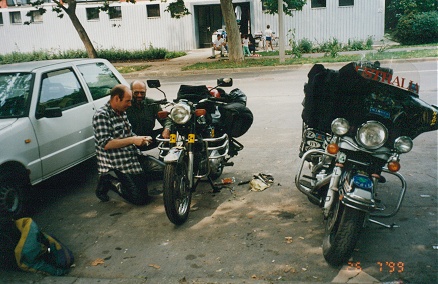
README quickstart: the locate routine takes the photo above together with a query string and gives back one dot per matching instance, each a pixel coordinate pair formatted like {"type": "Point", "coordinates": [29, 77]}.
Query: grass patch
{"type": "Point", "coordinates": [132, 68]}
{"type": "Point", "coordinates": [273, 61]}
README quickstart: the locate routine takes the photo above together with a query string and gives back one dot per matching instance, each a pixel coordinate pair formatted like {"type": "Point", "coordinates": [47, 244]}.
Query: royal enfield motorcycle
{"type": "Point", "coordinates": [357, 122]}
{"type": "Point", "coordinates": [206, 122]}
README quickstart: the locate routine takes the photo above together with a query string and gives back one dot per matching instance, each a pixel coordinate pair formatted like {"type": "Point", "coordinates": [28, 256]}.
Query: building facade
{"type": "Point", "coordinates": [146, 23]}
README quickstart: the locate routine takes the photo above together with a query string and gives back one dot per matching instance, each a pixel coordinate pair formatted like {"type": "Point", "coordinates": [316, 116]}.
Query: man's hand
{"type": "Point", "coordinates": [142, 140]}
{"type": "Point", "coordinates": [123, 142]}
{"type": "Point", "coordinates": [166, 133]}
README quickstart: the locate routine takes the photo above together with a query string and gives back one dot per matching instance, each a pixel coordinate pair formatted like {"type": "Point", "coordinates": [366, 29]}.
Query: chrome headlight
{"type": "Point", "coordinates": [372, 135]}
{"type": "Point", "coordinates": [340, 126]}
{"type": "Point", "coordinates": [403, 144]}
{"type": "Point", "coordinates": [180, 113]}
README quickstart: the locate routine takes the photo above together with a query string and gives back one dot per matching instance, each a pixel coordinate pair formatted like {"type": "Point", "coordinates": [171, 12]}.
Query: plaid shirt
{"type": "Point", "coordinates": [109, 125]}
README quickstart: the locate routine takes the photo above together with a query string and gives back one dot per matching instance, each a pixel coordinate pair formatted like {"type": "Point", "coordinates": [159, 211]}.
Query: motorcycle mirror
{"type": "Point", "coordinates": [225, 82]}
{"type": "Point", "coordinates": [153, 83]}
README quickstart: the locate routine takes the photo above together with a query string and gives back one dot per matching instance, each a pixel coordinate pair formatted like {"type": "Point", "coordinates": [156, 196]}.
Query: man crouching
{"type": "Point", "coordinates": [120, 164]}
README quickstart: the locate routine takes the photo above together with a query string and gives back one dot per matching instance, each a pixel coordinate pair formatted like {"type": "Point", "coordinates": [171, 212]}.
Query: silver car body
{"type": "Point", "coordinates": [47, 145]}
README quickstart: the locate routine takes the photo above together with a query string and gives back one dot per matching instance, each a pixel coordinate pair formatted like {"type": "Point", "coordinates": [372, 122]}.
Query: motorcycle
{"type": "Point", "coordinates": [356, 124]}
{"type": "Point", "coordinates": [206, 122]}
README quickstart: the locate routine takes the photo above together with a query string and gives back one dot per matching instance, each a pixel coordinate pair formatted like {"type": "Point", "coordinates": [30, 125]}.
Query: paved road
{"type": "Point", "coordinates": [241, 236]}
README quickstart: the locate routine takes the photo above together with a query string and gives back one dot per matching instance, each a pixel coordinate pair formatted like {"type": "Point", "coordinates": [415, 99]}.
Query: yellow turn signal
{"type": "Point", "coordinates": [200, 112]}
{"type": "Point", "coordinates": [394, 166]}
{"type": "Point", "coordinates": [332, 148]}
{"type": "Point", "coordinates": [163, 114]}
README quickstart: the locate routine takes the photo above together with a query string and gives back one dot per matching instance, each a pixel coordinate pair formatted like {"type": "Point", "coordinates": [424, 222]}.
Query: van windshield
{"type": "Point", "coordinates": [15, 92]}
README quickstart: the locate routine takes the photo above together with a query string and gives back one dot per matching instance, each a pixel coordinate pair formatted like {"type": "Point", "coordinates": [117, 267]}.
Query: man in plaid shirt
{"type": "Point", "coordinates": [120, 163]}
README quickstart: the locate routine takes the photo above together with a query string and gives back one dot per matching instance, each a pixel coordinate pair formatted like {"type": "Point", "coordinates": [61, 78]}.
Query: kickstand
{"type": "Point", "coordinates": [393, 225]}
{"type": "Point", "coordinates": [214, 187]}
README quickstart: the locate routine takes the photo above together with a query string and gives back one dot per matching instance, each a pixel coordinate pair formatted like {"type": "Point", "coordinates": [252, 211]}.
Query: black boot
{"type": "Point", "coordinates": [102, 188]}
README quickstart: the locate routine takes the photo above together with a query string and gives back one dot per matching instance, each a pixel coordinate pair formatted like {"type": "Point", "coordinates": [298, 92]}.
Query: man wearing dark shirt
{"type": "Point", "coordinates": [143, 114]}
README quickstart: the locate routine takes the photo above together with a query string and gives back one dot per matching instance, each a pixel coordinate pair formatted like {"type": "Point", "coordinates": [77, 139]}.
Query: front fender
{"type": "Point", "coordinates": [358, 192]}
{"type": "Point", "coordinates": [175, 154]}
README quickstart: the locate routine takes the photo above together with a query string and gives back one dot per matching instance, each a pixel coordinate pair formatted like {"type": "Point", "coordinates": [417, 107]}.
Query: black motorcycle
{"type": "Point", "coordinates": [206, 122]}
{"type": "Point", "coordinates": [356, 123]}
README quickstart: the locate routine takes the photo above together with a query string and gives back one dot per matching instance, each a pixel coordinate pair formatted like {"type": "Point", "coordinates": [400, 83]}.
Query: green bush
{"type": "Point", "coordinates": [355, 45]}
{"type": "Point", "coordinates": [112, 54]}
{"type": "Point", "coordinates": [418, 28]}
{"type": "Point", "coordinates": [331, 47]}
{"type": "Point", "coordinates": [305, 45]}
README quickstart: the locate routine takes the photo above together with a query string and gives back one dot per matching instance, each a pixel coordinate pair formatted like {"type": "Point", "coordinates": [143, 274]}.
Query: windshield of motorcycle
{"type": "Point", "coordinates": [193, 93]}
{"type": "Point", "coordinates": [365, 91]}
{"type": "Point", "coordinates": [15, 92]}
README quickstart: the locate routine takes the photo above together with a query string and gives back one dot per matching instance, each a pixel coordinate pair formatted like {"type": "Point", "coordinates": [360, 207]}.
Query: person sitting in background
{"type": "Point", "coordinates": [218, 45]}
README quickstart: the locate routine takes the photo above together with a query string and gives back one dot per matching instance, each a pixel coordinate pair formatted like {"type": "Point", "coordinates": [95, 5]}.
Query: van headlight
{"type": "Point", "coordinates": [372, 135]}
{"type": "Point", "coordinates": [180, 113]}
{"type": "Point", "coordinates": [340, 126]}
{"type": "Point", "coordinates": [403, 144]}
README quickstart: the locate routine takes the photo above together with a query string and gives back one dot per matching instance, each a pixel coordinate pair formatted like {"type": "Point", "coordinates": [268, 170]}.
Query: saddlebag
{"type": "Point", "coordinates": [235, 116]}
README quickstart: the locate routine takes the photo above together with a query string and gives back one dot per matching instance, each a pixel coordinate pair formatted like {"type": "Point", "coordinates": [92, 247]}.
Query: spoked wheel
{"type": "Point", "coordinates": [342, 230]}
{"type": "Point", "coordinates": [176, 193]}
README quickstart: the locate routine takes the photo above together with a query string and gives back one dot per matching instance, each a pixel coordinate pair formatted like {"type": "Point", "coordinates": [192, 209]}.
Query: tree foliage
{"type": "Point", "coordinates": [271, 6]}
{"type": "Point", "coordinates": [69, 7]}
{"type": "Point", "coordinates": [395, 9]}
{"type": "Point", "coordinates": [418, 28]}
{"type": "Point", "coordinates": [177, 9]}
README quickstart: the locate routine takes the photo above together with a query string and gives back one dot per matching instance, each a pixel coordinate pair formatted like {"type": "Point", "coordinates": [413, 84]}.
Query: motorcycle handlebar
{"type": "Point", "coordinates": [215, 100]}
{"type": "Point", "coordinates": [160, 102]}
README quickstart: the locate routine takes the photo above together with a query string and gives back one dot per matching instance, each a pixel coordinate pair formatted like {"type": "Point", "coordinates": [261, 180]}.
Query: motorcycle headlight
{"type": "Point", "coordinates": [180, 113]}
{"type": "Point", "coordinates": [403, 144]}
{"type": "Point", "coordinates": [372, 135]}
{"type": "Point", "coordinates": [340, 126]}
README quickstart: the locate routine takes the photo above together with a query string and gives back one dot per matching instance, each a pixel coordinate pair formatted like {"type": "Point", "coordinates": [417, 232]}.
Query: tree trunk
{"type": "Point", "coordinates": [234, 40]}
{"type": "Point", "coordinates": [71, 12]}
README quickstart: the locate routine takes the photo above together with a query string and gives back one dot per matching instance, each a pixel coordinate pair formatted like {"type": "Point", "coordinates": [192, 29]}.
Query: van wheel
{"type": "Point", "coordinates": [11, 201]}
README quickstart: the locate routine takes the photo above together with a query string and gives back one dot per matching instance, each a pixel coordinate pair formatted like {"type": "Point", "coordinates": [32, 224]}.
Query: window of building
{"type": "Point", "coordinates": [93, 14]}
{"type": "Point", "coordinates": [15, 17]}
{"type": "Point", "coordinates": [1, 18]}
{"type": "Point", "coordinates": [153, 11]}
{"type": "Point", "coordinates": [346, 3]}
{"type": "Point", "coordinates": [115, 13]}
{"type": "Point", "coordinates": [318, 4]}
{"type": "Point", "coordinates": [35, 16]}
